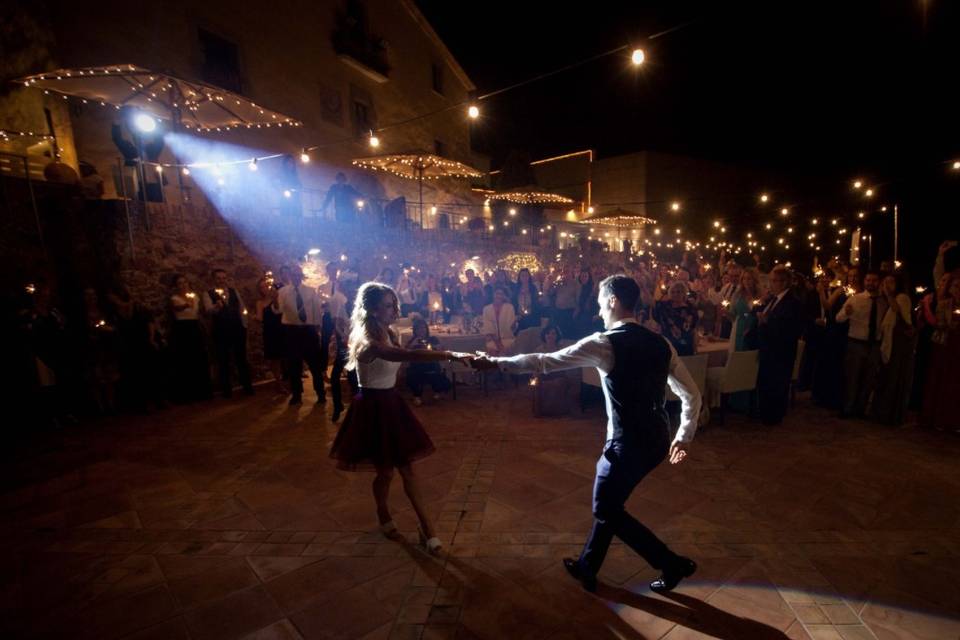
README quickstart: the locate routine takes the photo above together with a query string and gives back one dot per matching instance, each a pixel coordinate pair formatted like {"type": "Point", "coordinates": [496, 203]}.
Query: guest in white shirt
{"type": "Point", "coordinates": [862, 360]}
{"type": "Point", "coordinates": [499, 320]}
{"type": "Point", "coordinates": [191, 369]}
{"type": "Point", "coordinates": [302, 316]}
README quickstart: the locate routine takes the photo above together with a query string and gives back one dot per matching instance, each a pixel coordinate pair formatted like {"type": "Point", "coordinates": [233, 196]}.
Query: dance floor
{"type": "Point", "coordinates": [228, 520]}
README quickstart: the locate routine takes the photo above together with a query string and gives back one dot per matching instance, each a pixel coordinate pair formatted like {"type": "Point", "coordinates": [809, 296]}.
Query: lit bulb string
{"type": "Point", "coordinates": [502, 90]}
{"type": "Point", "coordinates": [191, 95]}
{"type": "Point", "coordinates": [10, 133]}
{"type": "Point", "coordinates": [580, 63]}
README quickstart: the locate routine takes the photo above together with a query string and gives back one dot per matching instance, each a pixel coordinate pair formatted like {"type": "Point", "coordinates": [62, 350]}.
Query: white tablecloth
{"type": "Point", "coordinates": [466, 342]}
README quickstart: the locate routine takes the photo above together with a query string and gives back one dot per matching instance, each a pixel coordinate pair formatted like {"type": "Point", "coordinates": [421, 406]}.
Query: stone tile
{"type": "Point", "coordinates": [350, 614]}
{"type": "Point", "coordinates": [282, 630]}
{"type": "Point", "coordinates": [268, 567]}
{"type": "Point", "coordinates": [199, 589]}
{"type": "Point", "coordinates": [840, 614]}
{"type": "Point", "coordinates": [236, 616]}
{"type": "Point", "coordinates": [823, 632]}
{"type": "Point", "coordinates": [810, 614]}
{"type": "Point", "coordinates": [855, 632]}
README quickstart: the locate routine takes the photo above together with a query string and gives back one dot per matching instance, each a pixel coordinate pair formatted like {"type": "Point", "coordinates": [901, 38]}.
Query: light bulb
{"type": "Point", "coordinates": [638, 57]}
{"type": "Point", "coordinates": [473, 112]}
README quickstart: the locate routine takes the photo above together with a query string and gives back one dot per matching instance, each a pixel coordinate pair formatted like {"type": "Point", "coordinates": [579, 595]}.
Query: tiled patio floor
{"type": "Point", "coordinates": [227, 520]}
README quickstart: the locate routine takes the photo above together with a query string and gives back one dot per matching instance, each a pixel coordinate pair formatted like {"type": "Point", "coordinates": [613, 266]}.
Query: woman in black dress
{"type": "Point", "coordinates": [268, 310]}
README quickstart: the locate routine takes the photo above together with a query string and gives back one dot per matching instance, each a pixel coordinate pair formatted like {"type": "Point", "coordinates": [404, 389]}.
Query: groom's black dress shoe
{"type": "Point", "coordinates": [670, 578]}
{"type": "Point", "coordinates": [573, 567]}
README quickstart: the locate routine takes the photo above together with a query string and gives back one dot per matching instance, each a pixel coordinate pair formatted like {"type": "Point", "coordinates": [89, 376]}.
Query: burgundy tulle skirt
{"type": "Point", "coordinates": [379, 431]}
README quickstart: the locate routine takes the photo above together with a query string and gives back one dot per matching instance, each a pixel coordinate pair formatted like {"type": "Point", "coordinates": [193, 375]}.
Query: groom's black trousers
{"type": "Point", "coordinates": [620, 469]}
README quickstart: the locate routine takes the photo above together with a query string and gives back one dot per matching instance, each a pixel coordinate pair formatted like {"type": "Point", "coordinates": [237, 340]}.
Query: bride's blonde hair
{"type": "Point", "coordinates": [364, 327]}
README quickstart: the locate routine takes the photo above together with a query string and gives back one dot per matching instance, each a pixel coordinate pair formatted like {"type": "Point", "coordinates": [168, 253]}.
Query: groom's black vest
{"type": "Point", "coordinates": [637, 384]}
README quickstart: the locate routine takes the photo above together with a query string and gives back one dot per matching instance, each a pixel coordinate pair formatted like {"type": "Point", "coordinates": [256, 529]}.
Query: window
{"type": "Point", "coordinates": [438, 148]}
{"type": "Point", "coordinates": [221, 61]}
{"type": "Point", "coordinates": [361, 115]}
{"type": "Point", "coordinates": [362, 112]}
{"type": "Point", "coordinates": [436, 72]}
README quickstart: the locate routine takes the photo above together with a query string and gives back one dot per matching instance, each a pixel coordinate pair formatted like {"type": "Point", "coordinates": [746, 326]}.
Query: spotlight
{"type": "Point", "coordinates": [145, 123]}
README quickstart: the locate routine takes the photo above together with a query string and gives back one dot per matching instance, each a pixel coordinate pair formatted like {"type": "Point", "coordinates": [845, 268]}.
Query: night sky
{"type": "Point", "coordinates": [832, 90]}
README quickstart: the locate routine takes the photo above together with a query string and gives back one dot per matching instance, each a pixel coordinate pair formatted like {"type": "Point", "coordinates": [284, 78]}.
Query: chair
{"type": "Point", "coordinates": [739, 374]}
{"type": "Point", "coordinates": [526, 341]}
{"type": "Point", "coordinates": [697, 367]}
{"type": "Point", "coordinates": [469, 344]}
{"type": "Point", "coordinates": [801, 346]}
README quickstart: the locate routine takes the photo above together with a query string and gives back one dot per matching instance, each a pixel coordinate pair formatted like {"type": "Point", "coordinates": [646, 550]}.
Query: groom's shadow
{"type": "Point", "coordinates": [684, 610]}
{"type": "Point", "coordinates": [694, 614]}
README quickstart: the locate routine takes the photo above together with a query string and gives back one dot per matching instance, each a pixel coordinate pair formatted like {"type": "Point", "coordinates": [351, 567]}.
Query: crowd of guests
{"type": "Point", "coordinates": [872, 346]}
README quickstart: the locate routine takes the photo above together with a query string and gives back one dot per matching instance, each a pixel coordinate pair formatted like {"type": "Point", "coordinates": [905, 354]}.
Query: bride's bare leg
{"type": "Point", "coordinates": [411, 486]}
{"type": "Point", "coordinates": [381, 491]}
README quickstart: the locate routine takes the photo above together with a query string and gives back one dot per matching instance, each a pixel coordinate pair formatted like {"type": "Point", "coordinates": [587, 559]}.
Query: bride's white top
{"type": "Point", "coordinates": [377, 374]}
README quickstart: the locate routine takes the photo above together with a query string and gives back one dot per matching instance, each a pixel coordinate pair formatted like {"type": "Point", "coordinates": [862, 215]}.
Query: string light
{"type": "Point", "coordinates": [304, 156]}
{"type": "Point", "coordinates": [784, 211]}
{"type": "Point", "coordinates": [868, 193]}
{"type": "Point", "coordinates": [531, 197]}
{"type": "Point", "coordinates": [764, 197]}
{"type": "Point", "coordinates": [675, 206]}
{"type": "Point", "coordinates": [374, 141]}
{"type": "Point", "coordinates": [185, 171]}
{"type": "Point", "coordinates": [473, 112]}
{"type": "Point", "coordinates": [857, 184]}
{"type": "Point", "coordinates": [638, 57]}
{"type": "Point", "coordinates": [956, 165]}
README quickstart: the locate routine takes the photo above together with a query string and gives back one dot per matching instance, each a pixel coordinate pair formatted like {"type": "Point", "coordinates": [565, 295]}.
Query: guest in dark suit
{"type": "Point", "coordinates": [228, 320]}
{"type": "Point", "coordinates": [780, 325]}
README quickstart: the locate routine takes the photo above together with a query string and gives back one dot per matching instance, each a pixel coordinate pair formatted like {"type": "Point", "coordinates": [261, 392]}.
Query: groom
{"type": "Point", "coordinates": [636, 365]}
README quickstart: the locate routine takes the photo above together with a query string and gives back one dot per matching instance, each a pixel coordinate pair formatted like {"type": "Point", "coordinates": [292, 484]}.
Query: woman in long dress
{"type": "Point", "coordinates": [898, 348]}
{"type": "Point", "coordinates": [380, 433]}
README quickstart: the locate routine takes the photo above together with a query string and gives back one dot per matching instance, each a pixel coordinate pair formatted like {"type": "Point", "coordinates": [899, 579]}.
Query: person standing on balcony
{"type": "Point", "coordinates": [344, 198]}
